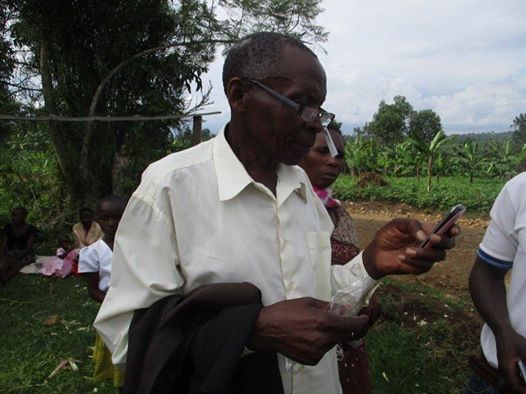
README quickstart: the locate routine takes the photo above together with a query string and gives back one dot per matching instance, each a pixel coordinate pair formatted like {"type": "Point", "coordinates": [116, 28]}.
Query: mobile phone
{"type": "Point", "coordinates": [522, 371]}
{"type": "Point", "coordinates": [446, 223]}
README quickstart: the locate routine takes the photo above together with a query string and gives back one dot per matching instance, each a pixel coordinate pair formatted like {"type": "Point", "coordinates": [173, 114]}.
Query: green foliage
{"type": "Point", "coordinates": [74, 48]}
{"type": "Point", "coordinates": [424, 125]}
{"type": "Point", "coordinates": [360, 155]}
{"type": "Point", "coordinates": [450, 156]}
{"type": "Point", "coordinates": [469, 155]}
{"type": "Point", "coordinates": [29, 177]}
{"type": "Point", "coordinates": [391, 122]}
{"type": "Point", "coordinates": [519, 129]}
{"type": "Point", "coordinates": [477, 196]}
{"type": "Point", "coordinates": [504, 158]}
{"type": "Point", "coordinates": [429, 150]}
{"type": "Point", "coordinates": [291, 17]}
{"type": "Point", "coordinates": [125, 58]}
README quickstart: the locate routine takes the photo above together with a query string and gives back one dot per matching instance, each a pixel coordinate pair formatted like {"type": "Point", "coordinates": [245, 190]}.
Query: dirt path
{"type": "Point", "coordinates": [450, 276]}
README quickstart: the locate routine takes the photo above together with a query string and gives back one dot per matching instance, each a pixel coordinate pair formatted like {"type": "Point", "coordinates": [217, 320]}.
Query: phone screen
{"type": "Point", "coordinates": [446, 223]}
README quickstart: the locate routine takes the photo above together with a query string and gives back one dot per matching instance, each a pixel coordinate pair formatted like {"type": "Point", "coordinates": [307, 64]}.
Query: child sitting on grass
{"type": "Point", "coordinates": [95, 263]}
{"type": "Point", "coordinates": [87, 231]}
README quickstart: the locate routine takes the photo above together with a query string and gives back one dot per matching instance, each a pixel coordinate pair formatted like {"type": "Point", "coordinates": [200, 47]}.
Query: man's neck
{"type": "Point", "coordinates": [259, 165]}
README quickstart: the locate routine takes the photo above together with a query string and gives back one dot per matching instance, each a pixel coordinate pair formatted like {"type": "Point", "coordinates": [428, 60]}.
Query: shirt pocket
{"type": "Point", "coordinates": [319, 245]}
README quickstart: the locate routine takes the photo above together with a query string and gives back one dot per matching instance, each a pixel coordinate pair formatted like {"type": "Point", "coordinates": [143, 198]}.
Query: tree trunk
{"type": "Point", "coordinates": [65, 156]}
{"type": "Point", "coordinates": [120, 162]}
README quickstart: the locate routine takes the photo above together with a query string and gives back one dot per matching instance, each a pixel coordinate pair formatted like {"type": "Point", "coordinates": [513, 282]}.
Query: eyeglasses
{"type": "Point", "coordinates": [308, 114]}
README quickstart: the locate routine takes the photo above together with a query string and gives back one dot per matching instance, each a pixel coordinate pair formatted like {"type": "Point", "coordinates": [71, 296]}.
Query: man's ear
{"type": "Point", "coordinates": [236, 94]}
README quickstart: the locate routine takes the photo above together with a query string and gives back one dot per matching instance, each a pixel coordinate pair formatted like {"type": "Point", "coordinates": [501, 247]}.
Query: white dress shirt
{"type": "Point", "coordinates": [198, 218]}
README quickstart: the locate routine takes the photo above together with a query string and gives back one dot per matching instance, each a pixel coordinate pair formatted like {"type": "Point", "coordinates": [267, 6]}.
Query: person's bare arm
{"type": "Point", "coordinates": [93, 287]}
{"type": "Point", "coordinates": [487, 288]}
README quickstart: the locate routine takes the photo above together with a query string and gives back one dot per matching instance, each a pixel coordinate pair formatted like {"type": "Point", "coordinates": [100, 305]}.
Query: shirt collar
{"type": "Point", "coordinates": [232, 177]}
{"type": "Point", "coordinates": [291, 178]}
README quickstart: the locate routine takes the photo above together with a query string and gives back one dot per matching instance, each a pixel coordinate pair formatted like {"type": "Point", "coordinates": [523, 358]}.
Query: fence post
{"type": "Point", "coordinates": [197, 129]}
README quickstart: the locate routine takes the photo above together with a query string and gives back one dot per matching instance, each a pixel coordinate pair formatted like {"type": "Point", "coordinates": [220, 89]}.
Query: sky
{"type": "Point", "coordinates": [464, 59]}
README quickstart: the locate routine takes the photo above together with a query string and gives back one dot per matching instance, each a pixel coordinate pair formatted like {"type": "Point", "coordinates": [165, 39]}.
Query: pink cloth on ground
{"type": "Point", "coordinates": [60, 267]}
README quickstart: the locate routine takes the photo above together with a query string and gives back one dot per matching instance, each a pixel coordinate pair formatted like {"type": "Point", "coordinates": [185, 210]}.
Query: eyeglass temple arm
{"type": "Point", "coordinates": [286, 100]}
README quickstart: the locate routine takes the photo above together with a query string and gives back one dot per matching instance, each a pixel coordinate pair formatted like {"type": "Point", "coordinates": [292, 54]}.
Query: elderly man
{"type": "Point", "coordinates": [238, 209]}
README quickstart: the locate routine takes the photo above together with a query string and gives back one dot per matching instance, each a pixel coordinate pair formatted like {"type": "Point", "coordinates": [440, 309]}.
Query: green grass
{"type": "Point", "coordinates": [32, 350]}
{"type": "Point", "coordinates": [406, 356]}
{"type": "Point", "coordinates": [476, 197]}
{"type": "Point", "coordinates": [422, 342]}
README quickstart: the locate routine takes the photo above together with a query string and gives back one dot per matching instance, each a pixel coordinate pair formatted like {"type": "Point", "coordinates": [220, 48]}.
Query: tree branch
{"type": "Point", "coordinates": [86, 142]}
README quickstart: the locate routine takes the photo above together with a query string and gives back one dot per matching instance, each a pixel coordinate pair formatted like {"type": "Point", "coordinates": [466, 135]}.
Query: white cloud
{"type": "Point", "coordinates": [466, 60]}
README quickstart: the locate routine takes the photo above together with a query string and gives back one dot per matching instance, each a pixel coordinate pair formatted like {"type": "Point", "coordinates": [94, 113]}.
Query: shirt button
{"type": "Point", "coordinates": [290, 286]}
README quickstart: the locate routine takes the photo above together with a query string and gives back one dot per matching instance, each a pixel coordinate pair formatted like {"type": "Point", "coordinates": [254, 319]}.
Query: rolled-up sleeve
{"type": "Point", "coordinates": [144, 269]}
{"type": "Point", "coordinates": [351, 273]}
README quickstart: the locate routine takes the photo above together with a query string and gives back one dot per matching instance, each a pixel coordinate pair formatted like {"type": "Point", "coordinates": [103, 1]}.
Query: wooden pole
{"type": "Point", "coordinates": [197, 130]}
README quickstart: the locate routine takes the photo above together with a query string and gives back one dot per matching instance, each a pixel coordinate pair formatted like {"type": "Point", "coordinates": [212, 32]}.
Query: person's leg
{"type": "Point", "coordinates": [15, 266]}
{"type": "Point", "coordinates": [6, 262]}
{"type": "Point", "coordinates": [476, 385]}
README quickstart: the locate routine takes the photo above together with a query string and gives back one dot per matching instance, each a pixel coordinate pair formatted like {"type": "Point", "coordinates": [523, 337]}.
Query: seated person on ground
{"type": "Point", "coordinates": [87, 231]}
{"type": "Point", "coordinates": [16, 249]}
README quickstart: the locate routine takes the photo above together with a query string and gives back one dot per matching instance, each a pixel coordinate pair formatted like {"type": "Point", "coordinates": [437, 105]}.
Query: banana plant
{"type": "Point", "coordinates": [429, 151]}
{"type": "Point", "coordinates": [506, 159]}
{"type": "Point", "coordinates": [469, 155]}
{"type": "Point", "coordinates": [361, 155]}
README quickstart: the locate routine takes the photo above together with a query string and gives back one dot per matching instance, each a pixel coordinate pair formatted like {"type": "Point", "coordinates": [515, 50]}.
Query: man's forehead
{"type": "Point", "coordinates": [294, 60]}
{"type": "Point", "coordinates": [298, 67]}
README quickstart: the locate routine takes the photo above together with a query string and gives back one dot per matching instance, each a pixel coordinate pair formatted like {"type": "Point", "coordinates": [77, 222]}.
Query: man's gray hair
{"type": "Point", "coordinates": [258, 56]}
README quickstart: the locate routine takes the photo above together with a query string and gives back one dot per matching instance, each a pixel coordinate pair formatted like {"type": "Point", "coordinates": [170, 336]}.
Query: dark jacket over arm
{"type": "Point", "coordinates": [194, 343]}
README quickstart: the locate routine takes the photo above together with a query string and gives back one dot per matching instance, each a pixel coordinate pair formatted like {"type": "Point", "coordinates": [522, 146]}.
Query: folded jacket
{"type": "Point", "coordinates": [194, 344]}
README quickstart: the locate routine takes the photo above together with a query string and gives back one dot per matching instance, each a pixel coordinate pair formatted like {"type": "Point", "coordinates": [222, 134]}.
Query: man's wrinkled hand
{"type": "Point", "coordinates": [304, 330]}
{"type": "Point", "coordinates": [396, 249]}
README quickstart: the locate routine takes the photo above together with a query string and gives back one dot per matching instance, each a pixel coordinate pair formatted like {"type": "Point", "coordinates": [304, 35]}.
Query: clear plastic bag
{"type": "Point", "coordinates": [348, 300]}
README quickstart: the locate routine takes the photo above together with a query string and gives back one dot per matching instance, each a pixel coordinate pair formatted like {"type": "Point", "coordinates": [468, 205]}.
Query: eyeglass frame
{"type": "Point", "coordinates": [297, 107]}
